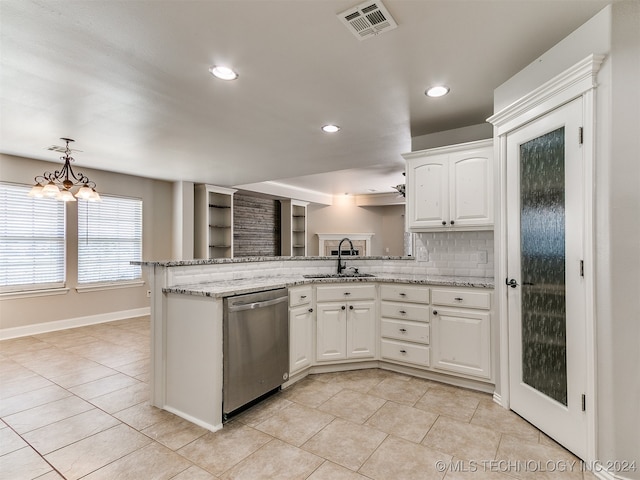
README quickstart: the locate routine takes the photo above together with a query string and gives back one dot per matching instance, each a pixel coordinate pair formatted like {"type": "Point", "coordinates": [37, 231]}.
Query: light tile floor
{"type": "Point", "coordinates": [74, 404]}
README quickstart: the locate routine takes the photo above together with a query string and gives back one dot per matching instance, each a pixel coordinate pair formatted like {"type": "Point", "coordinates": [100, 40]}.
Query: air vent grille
{"type": "Point", "coordinates": [367, 20]}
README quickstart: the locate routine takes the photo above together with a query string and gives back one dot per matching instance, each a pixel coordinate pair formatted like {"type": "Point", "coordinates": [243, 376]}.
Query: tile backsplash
{"type": "Point", "coordinates": [463, 254]}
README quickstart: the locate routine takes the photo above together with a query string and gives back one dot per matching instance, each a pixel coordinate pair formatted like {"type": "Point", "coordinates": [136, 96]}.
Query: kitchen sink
{"type": "Point", "coordinates": [338, 275]}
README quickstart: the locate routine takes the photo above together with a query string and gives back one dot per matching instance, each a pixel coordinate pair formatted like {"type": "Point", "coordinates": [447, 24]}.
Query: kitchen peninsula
{"type": "Point", "coordinates": [398, 318]}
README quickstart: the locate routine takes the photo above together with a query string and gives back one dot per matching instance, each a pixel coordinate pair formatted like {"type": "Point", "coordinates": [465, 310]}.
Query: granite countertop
{"type": "Point", "coordinates": [218, 261]}
{"type": "Point", "coordinates": [227, 288]}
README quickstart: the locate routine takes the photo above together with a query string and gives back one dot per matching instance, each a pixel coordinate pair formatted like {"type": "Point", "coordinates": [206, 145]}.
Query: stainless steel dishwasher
{"type": "Point", "coordinates": [255, 346]}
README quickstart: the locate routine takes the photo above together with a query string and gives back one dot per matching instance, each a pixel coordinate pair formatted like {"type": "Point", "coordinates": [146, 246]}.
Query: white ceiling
{"type": "Point", "coordinates": [129, 81]}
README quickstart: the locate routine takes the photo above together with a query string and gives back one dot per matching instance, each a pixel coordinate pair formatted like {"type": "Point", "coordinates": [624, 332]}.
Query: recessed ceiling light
{"type": "Point", "coordinates": [437, 91]}
{"type": "Point", "coordinates": [223, 73]}
{"type": "Point", "coordinates": [330, 128]}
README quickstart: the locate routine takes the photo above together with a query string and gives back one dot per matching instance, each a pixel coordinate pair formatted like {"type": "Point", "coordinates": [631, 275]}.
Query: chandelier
{"type": "Point", "coordinates": [58, 184]}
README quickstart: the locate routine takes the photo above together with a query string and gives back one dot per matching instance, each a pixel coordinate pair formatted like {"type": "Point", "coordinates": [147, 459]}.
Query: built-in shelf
{"type": "Point", "coordinates": [293, 228]}
{"type": "Point", "coordinates": [213, 227]}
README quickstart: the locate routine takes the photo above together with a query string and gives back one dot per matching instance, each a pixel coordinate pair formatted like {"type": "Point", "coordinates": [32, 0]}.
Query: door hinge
{"type": "Point", "coordinates": [582, 268]}
{"type": "Point", "coordinates": [584, 402]}
{"type": "Point", "coordinates": [580, 135]}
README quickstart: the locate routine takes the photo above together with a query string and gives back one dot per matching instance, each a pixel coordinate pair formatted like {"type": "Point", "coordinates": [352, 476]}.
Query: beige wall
{"type": "Point", "coordinates": [157, 215]}
{"type": "Point", "coordinates": [344, 216]}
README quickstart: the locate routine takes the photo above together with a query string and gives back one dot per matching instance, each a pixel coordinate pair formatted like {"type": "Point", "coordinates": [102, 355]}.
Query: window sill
{"type": "Point", "coordinates": [33, 293]}
{"type": "Point", "coordinates": [95, 287]}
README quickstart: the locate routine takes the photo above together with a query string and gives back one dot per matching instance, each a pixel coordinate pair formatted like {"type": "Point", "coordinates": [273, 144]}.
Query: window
{"type": "Point", "coordinates": [109, 238]}
{"type": "Point", "coordinates": [32, 243]}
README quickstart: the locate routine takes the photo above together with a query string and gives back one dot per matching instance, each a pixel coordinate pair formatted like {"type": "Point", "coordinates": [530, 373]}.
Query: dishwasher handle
{"type": "Point", "coordinates": [237, 307]}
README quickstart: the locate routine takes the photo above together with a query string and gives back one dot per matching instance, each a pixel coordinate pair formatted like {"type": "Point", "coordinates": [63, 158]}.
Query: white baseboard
{"type": "Point", "coordinates": [45, 327]}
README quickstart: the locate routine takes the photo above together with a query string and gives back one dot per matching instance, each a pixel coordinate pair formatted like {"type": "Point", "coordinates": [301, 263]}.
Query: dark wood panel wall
{"type": "Point", "coordinates": [256, 226]}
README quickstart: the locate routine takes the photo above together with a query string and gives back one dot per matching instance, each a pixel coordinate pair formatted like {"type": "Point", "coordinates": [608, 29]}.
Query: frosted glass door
{"type": "Point", "coordinates": [546, 301]}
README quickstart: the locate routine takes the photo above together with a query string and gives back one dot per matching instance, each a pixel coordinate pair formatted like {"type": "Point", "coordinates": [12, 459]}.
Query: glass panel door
{"type": "Point", "coordinates": [546, 293]}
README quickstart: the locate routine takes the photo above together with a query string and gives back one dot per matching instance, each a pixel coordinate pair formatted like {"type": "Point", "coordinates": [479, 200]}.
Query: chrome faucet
{"type": "Point", "coordinates": [341, 267]}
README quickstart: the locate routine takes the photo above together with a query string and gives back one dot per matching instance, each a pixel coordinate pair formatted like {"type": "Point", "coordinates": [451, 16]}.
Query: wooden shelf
{"type": "Point", "coordinates": [213, 227]}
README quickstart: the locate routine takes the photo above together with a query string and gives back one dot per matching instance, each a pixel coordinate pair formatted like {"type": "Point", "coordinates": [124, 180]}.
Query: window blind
{"type": "Point", "coordinates": [32, 243]}
{"type": "Point", "coordinates": [109, 238]}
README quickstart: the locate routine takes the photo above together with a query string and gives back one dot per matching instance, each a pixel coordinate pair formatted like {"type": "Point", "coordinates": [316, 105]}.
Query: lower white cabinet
{"type": "Point", "coordinates": [346, 329]}
{"type": "Point", "coordinates": [301, 329]}
{"type": "Point", "coordinates": [404, 324]}
{"type": "Point", "coordinates": [461, 337]}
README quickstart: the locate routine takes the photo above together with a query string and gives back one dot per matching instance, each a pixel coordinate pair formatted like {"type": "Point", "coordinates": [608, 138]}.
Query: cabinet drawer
{"type": "Point", "coordinates": [404, 293]}
{"type": "Point", "coordinates": [461, 298]}
{"type": "Point", "coordinates": [300, 296]}
{"type": "Point", "coordinates": [342, 292]}
{"type": "Point", "coordinates": [409, 331]}
{"type": "Point", "coordinates": [405, 352]}
{"type": "Point", "coordinates": [406, 311]}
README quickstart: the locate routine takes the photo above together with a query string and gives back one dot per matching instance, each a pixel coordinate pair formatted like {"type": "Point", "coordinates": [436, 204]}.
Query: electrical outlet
{"type": "Point", "coordinates": [148, 293]}
{"type": "Point", "coordinates": [482, 256]}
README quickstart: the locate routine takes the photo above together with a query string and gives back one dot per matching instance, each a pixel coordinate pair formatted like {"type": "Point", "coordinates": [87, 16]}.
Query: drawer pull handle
{"type": "Point", "coordinates": [347, 293]}
{"type": "Point", "coordinates": [458, 299]}
{"type": "Point", "coordinates": [311, 310]}
{"type": "Point", "coordinates": [402, 312]}
{"type": "Point", "coordinates": [403, 330]}
{"type": "Point", "coordinates": [303, 296]}
{"type": "Point", "coordinates": [435, 312]}
{"type": "Point", "coordinates": [404, 352]}
{"type": "Point", "coordinates": [402, 294]}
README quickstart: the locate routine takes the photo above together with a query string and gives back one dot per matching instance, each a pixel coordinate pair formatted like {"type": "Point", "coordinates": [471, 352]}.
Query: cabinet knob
{"type": "Point", "coordinates": [403, 330]}
{"type": "Point", "coordinates": [343, 307]}
{"type": "Point", "coordinates": [311, 310]}
{"type": "Point", "coordinates": [452, 222]}
{"type": "Point", "coordinates": [350, 307]}
{"type": "Point", "coordinates": [404, 352]}
{"type": "Point", "coordinates": [444, 222]}
{"type": "Point", "coordinates": [435, 312]}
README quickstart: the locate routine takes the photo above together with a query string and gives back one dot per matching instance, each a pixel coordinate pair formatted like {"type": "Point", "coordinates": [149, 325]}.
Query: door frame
{"type": "Point", "coordinates": [580, 80]}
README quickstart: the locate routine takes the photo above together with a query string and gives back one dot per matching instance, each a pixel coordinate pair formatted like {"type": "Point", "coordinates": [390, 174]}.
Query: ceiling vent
{"type": "Point", "coordinates": [367, 19]}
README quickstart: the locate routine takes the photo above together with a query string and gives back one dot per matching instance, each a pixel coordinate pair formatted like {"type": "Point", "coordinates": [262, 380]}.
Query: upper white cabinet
{"type": "Point", "coordinates": [294, 228]}
{"type": "Point", "coordinates": [213, 222]}
{"type": "Point", "coordinates": [450, 187]}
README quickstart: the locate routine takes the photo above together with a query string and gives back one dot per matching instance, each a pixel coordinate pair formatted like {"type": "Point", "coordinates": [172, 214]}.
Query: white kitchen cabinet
{"type": "Point", "coordinates": [404, 324]}
{"type": "Point", "coordinates": [213, 222]}
{"type": "Point", "coordinates": [346, 322]}
{"type": "Point", "coordinates": [301, 329]}
{"type": "Point", "coordinates": [293, 230]}
{"type": "Point", "coordinates": [461, 332]}
{"type": "Point", "coordinates": [450, 188]}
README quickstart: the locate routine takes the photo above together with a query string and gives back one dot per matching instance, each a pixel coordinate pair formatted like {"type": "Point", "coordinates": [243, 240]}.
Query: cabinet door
{"type": "Point", "coordinates": [361, 330]}
{"type": "Point", "coordinates": [470, 186]}
{"type": "Point", "coordinates": [428, 201]}
{"type": "Point", "coordinates": [331, 332]}
{"type": "Point", "coordinates": [461, 341]}
{"type": "Point", "coordinates": [300, 338]}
